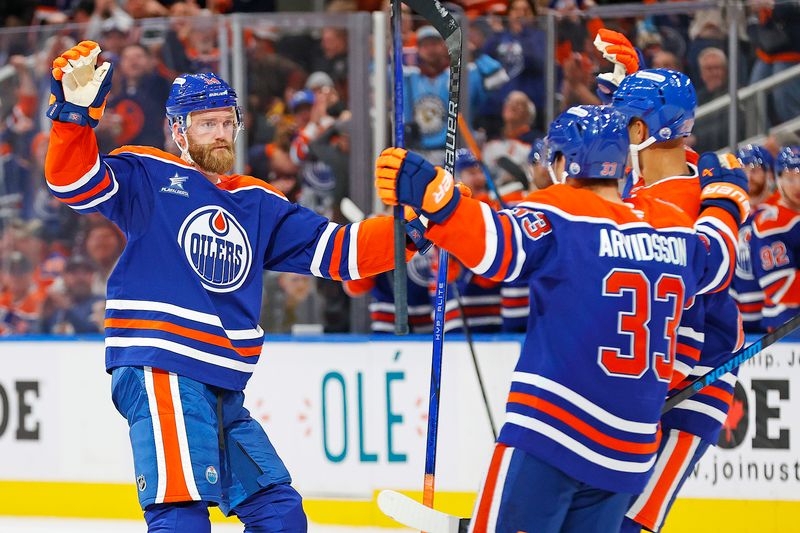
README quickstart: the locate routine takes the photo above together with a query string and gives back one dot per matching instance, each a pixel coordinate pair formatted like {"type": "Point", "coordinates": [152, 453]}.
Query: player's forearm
{"type": "Point", "coordinates": [720, 229]}
{"type": "Point", "coordinates": [374, 251]}
{"type": "Point", "coordinates": [480, 238]}
{"type": "Point", "coordinates": [72, 165]}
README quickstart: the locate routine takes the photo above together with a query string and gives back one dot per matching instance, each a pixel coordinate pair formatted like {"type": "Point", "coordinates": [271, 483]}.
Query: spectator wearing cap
{"type": "Point", "coordinates": [135, 110]}
{"type": "Point", "coordinates": [426, 92]}
{"type": "Point", "coordinates": [520, 49]}
{"type": "Point", "coordinates": [469, 172]}
{"type": "Point", "coordinates": [21, 299]}
{"type": "Point", "coordinates": [106, 17]}
{"type": "Point", "coordinates": [519, 115]}
{"type": "Point", "coordinates": [13, 183]}
{"type": "Point", "coordinates": [27, 238]}
{"type": "Point", "coordinates": [71, 307]}
{"type": "Point", "coordinates": [668, 60]}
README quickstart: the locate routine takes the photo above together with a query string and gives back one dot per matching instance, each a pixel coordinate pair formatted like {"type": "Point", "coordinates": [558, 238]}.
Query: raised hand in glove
{"type": "Point", "coordinates": [724, 185]}
{"type": "Point", "coordinates": [78, 88]}
{"type": "Point", "coordinates": [404, 177]}
{"type": "Point", "coordinates": [626, 58]}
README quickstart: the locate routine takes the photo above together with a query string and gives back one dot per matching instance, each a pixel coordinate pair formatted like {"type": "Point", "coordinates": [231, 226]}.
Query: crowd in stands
{"type": "Point", "coordinates": [54, 263]}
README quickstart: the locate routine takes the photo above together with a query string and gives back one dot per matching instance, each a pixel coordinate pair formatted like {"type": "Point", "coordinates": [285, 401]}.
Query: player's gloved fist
{"type": "Point", "coordinates": [406, 178]}
{"type": "Point", "coordinates": [78, 89]}
{"type": "Point", "coordinates": [724, 184]}
{"type": "Point", "coordinates": [626, 58]}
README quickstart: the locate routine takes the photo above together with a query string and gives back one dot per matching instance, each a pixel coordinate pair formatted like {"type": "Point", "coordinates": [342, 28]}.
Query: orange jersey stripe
{"type": "Point", "coordinates": [485, 503]}
{"type": "Point", "coordinates": [688, 351]}
{"type": "Point", "coordinates": [469, 242]}
{"type": "Point", "coordinates": [505, 264]}
{"type": "Point", "coordinates": [336, 254]}
{"type": "Point", "coordinates": [176, 491]}
{"type": "Point", "coordinates": [582, 427]}
{"type": "Point", "coordinates": [375, 245]}
{"type": "Point", "coordinates": [649, 513]}
{"type": "Point", "coordinates": [208, 338]}
{"type": "Point", "coordinates": [715, 392]}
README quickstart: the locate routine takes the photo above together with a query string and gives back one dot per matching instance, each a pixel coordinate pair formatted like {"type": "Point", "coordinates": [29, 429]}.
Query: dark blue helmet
{"type": "Point", "coordinates": [198, 92]}
{"type": "Point", "coordinates": [754, 155]}
{"type": "Point", "coordinates": [592, 139]}
{"type": "Point", "coordinates": [788, 159]}
{"type": "Point", "coordinates": [663, 99]}
{"type": "Point", "coordinates": [465, 159]}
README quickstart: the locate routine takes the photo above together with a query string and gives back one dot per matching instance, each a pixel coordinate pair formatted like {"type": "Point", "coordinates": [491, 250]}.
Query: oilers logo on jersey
{"type": "Point", "coordinates": [217, 248]}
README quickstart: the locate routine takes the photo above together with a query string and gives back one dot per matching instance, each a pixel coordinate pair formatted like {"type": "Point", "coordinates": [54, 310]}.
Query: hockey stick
{"type": "Point", "coordinates": [412, 514]}
{"type": "Point", "coordinates": [468, 336]}
{"type": "Point", "coordinates": [400, 268]}
{"type": "Point", "coordinates": [473, 147]}
{"type": "Point", "coordinates": [447, 26]}
{"type": "Point", "coordinates": [737, 359]}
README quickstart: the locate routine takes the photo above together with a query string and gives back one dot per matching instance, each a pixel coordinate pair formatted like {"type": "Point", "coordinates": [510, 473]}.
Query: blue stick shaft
{"type": "Point", "coordinates": [400, 272]}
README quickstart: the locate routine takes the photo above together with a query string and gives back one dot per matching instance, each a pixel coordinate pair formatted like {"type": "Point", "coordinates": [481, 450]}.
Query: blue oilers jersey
{"type": "Point", "coordinates": [745, 289]}
{"type": "Point", "coordinates": [185, 295]}
{"type": "Point", "coordinates": [381, 290]}
{"type": "Point", "coordinates": [481, 300]}
{"type": "Point", "coordinates": [608, 285]}
{"type": "Point", "coordinates": [776, 259]}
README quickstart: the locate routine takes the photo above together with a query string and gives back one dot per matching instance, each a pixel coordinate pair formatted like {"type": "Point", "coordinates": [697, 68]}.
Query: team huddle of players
{"type": "Point", "coordinates": [638, 326]}
{"type": "Point", "coordinates": [627, 294]}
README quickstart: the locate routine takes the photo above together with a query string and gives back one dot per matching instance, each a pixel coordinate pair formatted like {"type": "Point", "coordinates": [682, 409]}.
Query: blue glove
{"type": "Point", "coordinates": [491, 71]}
{"type": "Point", "coordinates": [405, 177]}
{"type": "Point", "coordinates": [78, 89]}
{"type": "Point", "coordinates": [415, 230]}
{"type": "Point", "coordinates": [724, 185]}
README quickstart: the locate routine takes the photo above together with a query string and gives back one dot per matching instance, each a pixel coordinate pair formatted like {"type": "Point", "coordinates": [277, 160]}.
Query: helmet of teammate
{"type": "Point", "coordinates": [537, 155]}
{"type": "Point", "coordinates": [788, 159]}
{"type": "Point", "coordinates": [663, 99]}
{"type": "Point", "coordinates": [198, 92]}
{"type": "Point", "coordinates": [593, 140]}
{"type": "Point", "coordinates": [465, 159]}
{"type": "Point", "coordinates": [754, 155]}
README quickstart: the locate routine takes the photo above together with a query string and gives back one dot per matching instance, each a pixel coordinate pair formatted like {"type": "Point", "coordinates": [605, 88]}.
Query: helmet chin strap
{"type": "Point", "coordinates": [634, 150]}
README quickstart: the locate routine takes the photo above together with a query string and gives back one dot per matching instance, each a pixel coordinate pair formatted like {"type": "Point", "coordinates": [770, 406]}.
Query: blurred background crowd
{"type": "Point", "coordinates": [299, 125]}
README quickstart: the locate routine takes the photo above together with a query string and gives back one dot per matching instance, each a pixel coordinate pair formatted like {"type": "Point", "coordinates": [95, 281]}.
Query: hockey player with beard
{"type": "Point", "coordinates": [182, 335]}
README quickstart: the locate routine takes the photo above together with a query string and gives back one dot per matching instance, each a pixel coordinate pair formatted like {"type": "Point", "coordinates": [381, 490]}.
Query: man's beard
{"type": "Point", "coordinates": [213, 161]}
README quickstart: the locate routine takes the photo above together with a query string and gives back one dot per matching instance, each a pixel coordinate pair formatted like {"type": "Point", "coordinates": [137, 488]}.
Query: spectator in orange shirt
{"type": "Point", "coordinates": [21, 300]}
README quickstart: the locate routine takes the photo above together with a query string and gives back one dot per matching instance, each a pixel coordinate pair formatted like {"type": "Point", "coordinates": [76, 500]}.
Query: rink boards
{"type": "Point", "coordinates": [348, 416]}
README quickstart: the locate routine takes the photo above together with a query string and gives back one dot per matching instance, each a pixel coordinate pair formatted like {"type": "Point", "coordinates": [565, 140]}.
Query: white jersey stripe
{"type": "Point", "coordinates": [161, 464]}
{"type": "Point", "coordinates": [521, 256]}
{"type": "Point", "coordinates": [514, 292]}
{"type": "Point", "coordinates": [174, 347]}
{"type": "Point", "coordinates": [722, 270]}
{"type": "Point", "coordinates": [98, 201]}
{"type": "Point", "coordinates": [686, 331]}
{"type": "Point", "coordinates": [518, 312]}
{"type": "Point", "coordinates": [183, 439]}
{"type": "Point", "coordinates": [703, 409]}
{"type": "Point", "coordinates": [182, 312]}
{"type": "Point", "coordinates": [491, 241]}
{"type": "Point", "coordinates": [83, 180]}
{"type": "Point", "coordinates": [319, 251]}
{"type": "Point", "coordinates": [577, 447]}
{"type": "Point", "coordinates": [352, 252]}
{"type": "Point", "coordinates": [579, 401]}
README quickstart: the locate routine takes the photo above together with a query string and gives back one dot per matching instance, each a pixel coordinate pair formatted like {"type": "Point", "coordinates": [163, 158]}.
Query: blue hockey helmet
{"type": "Point", "coordinates": [663, 99]}
{"type": "Point", "coordinates": [465, 159]}
{"type": "Point", "coordinates": [537, 155]}
{"type": "Point", "coordinates": [198, 92]}
{"type": "Point", "coordinates": [788, 159]}
{"type": "Point", "coordinates": [754, 155]}
{"type": "Point", "coordinates": [592, 139]}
